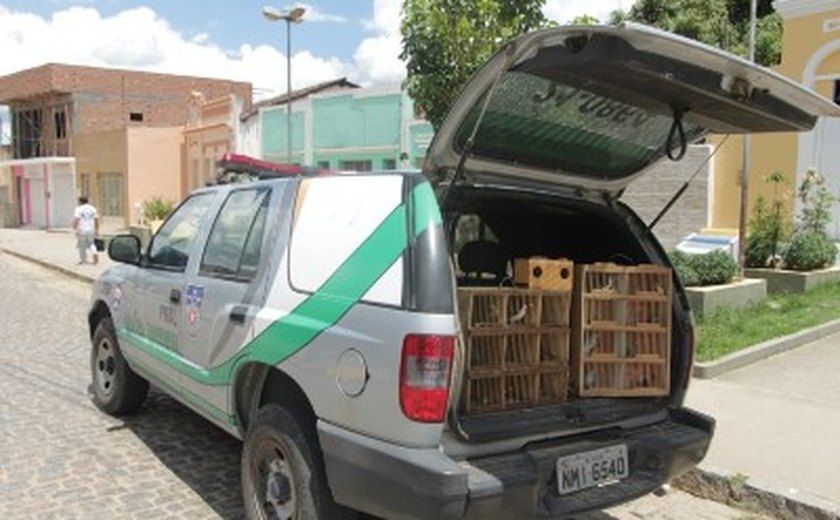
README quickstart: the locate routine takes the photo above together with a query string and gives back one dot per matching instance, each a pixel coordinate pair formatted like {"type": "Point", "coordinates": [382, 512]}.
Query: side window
{"type": "Point", "coordinates": [235, 242]}
{"type": "Point", "coordinates": [172, 243]}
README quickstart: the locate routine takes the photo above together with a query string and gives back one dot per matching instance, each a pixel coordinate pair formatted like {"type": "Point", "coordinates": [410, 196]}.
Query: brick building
{"type": "Point", "coordinates": [122, 127]}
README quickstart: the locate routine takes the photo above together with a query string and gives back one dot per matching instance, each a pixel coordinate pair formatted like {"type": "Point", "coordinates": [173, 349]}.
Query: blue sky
{"type": "Point", "coordinates": [357, 39]}
{"type": "Point", "coordinates": [231, 23]}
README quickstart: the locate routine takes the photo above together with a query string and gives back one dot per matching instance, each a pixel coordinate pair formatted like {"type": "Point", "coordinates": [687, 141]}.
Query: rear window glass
{"type": "Point", "coordinates": [568, 124]}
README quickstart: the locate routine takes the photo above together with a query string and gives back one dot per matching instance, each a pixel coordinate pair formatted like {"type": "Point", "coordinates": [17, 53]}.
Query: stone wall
{"type": "Point", "coordinates": [648, 194]}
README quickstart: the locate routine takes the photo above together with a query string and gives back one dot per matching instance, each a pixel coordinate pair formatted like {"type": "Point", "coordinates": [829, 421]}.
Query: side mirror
{"type": "Point", "coordinates": [125, 249]}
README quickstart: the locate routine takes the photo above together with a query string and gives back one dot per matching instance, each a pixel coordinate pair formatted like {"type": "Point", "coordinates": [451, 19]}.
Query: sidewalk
{"type": "Point", "coordinates": [55, 249]}
{"type": "Point", "coordinates": [778, 420]}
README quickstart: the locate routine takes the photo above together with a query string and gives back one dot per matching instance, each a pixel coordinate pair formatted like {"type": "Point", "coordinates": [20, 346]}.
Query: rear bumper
{"type": "Point", "coordinates": [398, 482]}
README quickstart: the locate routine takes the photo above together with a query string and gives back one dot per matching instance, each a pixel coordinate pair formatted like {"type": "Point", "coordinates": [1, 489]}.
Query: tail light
{"type": "Point", "coordinates": [424, 376]}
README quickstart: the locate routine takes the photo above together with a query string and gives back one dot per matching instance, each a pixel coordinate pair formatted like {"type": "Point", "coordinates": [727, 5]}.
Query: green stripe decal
{"type": "Point", "coordinates": [426, 210]}
{"type": "Point", "coordinates": [323, 308]}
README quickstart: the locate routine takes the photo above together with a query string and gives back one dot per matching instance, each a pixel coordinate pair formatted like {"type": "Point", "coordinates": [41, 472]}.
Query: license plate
{"type": "Point", "coordinates": [591, 468]}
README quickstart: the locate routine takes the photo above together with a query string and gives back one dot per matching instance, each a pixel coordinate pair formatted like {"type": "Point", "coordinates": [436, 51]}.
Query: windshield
{"type": "Point", "coordinates": [570, 124]}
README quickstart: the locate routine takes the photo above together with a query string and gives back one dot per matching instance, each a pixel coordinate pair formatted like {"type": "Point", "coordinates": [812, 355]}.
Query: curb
{"type": "Point", "coordinates": [740, 491]}
{"type": "Point", "coordinates": [764, 350]}
{"type": "Point", "coordinates": [49, 265]}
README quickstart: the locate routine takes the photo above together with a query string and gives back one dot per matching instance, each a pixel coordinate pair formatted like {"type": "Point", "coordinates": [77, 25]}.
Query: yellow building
{"type": "Point", "coordinates": [810, 56]}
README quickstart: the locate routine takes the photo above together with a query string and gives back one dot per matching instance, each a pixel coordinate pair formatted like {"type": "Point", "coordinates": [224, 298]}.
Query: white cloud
{"type": "Point", "coordinates": [140, 39]}
{"type": "Point", "coordinates": [314, 15]}
{"type": "Point", "coordinates": [564, 11]}
{"type": "Point", "coordinates": [377, 58]}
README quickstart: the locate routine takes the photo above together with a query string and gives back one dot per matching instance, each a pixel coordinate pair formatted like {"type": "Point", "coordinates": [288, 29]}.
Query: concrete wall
{"type": "Point", "coordinates": [9, 213]}
{"type": "Point", "coordinates": [203, 147]}
{"type": "Point", "coordinates": [374, 125]}
{"type": "Point", "coordinates": [811, 56]}
{"type": "Point", "coordinates": [649, 194]}
{"type": "Point", "coordinates": [154, 166]}
{"type": "Point", "coordinates": [97, 154]}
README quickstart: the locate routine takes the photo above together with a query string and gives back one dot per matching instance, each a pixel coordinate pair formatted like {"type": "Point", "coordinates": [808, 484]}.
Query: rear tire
{"type": "Point", "coordinates": [115, 387]}
{"type": "Point", "coordinates": [282, 470]}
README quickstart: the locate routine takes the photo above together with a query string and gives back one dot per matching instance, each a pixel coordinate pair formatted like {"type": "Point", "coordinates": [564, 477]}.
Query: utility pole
{"type": "Point", "coordinates": [745, 165]}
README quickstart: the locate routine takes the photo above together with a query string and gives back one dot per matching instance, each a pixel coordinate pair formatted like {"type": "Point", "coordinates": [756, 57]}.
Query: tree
{"type": "Point", "coordinates": [585, 19]}
{"type": "Point", "coordinates": [722, 23]}
{"type": "Point", "coordinates": [445, 41]}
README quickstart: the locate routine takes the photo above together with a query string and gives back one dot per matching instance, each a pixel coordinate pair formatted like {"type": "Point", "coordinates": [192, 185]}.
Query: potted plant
{"type": "Point", "coordinates": [807, 259]}
{"type": "Point", "coordinates": [155, 211]}
{"type": "Point", "coordinates": [710, 281]}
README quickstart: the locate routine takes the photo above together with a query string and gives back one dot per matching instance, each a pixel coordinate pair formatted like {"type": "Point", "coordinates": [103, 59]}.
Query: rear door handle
{"type": "Point", "coordinates": [175, 296]}
{"type": "Point", "coordinates": [238, 314]}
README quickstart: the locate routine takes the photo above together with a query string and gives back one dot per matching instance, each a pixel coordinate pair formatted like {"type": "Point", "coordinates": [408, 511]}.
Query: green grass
{"type": "Point", "coordinates": [724, 331]}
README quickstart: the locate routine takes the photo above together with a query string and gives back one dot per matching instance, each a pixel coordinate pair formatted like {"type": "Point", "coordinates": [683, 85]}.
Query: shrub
{"type": "Point", "coordinates": [810, 250]}
{"type": "Point", "coordinates": [768, 228]}
{"type": "Point", "coordinates": [811, 247]}
{"type": "Point", "coordinates": [682, 265]}
{"type": "Point", "coordinates": [714, 268]}
{"type": "Point", "coordinates": [157, 208]}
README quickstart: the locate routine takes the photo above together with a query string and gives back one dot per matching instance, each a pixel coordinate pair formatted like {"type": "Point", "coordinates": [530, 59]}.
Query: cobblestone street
{"type": "Point", "coordinates": [61, 458]}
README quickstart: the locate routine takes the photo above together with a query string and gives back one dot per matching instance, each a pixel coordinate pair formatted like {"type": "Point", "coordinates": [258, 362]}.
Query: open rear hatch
{"type": "Point", "coordinates": [582, 110]}
{"type": "Point", "coordinates": [591, 107]}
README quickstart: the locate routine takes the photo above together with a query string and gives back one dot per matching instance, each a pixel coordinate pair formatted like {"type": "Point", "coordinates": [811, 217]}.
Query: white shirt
{"type": "Point", "coordinates": [86, 214]}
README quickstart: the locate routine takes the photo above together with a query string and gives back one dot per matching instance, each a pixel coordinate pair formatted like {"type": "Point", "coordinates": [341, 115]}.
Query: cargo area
{"type": "Point", "coordinates": [566, 317]}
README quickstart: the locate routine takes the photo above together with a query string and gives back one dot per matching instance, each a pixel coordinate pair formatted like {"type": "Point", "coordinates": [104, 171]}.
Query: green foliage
{"type": "Point", "coordinates": [809, 250]}
{"type": "Point", "coordinates": [721, 23]}
{"type": "Point", "coordinates": [713, 268]}
{"type": "Point", "coordinates": [768, 227]}
{"type": "Point", "coordinates": [157, 208]}
{"type": "Point", "coordinates": [445, 41]}
{"type": "Point", "coordinates": [726, 330]}
{"type": "Point", "coordinates": [684, 268]}
{"type": "Point", "coordinates": [585, 19]}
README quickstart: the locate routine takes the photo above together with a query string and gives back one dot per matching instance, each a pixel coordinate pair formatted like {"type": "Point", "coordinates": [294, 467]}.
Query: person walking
{"type": "Point", "coordinates": [86, 227]}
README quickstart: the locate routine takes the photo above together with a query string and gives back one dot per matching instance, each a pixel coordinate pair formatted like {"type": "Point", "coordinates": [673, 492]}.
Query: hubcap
{"type": "Point", "coordinates": [277, 482]}
{"type": "Point", "coordinates": [106, 367]}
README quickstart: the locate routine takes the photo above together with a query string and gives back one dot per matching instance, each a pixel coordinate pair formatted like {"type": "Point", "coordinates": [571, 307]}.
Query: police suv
{"type": "Point", "coordinates": [332, 321]}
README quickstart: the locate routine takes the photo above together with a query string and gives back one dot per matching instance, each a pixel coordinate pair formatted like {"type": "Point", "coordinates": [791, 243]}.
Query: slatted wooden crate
{"type": "Point", "coordinates": [621, 344]}
{"type": "Point", "coordinates": [517, 347]}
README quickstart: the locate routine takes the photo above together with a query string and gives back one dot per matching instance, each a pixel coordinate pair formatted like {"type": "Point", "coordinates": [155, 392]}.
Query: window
{"type": "Point", "coordinates": [567, 124]}
{"type": "Point", "coordinates": [235, 243]}
{"type": "Point", "coordinates": [171, 245]}
{"type": "Point", "coordinates": [60, 124]}
{"type": "Point", "coordinates": [323, 165]}
{"type": "Point", "coordinates": [137, 117]}
{"type": "Point", "coordinates": [111, 187]}
{"type": "Point", "coordinates": [389, 164]}
{"type": "Point", "coordinates": [359, 166]}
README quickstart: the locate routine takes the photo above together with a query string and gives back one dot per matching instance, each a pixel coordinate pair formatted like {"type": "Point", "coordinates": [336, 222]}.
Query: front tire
{"type": "Point", "coordinates": [282, 470]}
{"type": "Point", "coordinates": [115, 387]}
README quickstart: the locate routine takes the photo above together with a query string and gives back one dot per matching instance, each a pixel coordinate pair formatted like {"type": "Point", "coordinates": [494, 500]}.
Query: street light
{"type": "Point", "coordinates": [294, 15]}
